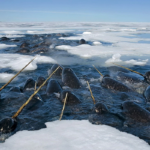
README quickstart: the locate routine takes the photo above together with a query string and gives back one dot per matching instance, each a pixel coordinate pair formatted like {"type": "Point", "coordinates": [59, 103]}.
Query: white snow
{"type": "Point", "coordinates": [112, 37]}
{"type": "Point", "coordinates": [120, 37]}
{"type": "Point", "coordinates": [96, 43]}
{"type": "Point", "coordinates": [5, 77]}
{"type": "Point", "coordinates": [2, 46]}
{"type": "Point", "coordinates": [139, 62]}
{"type": "Point", "coordinates": [17, 61]}
{"type": "Point", "coordinates": [74, 135]}
{"type": "Point", "coordinates": [106, 55]}
{"type": "Point", "coordinates": [116, 59]}
{"type": "Point", "coordinates": [12, 32]}
{"type": "Point", "coordinates": [86, 32]}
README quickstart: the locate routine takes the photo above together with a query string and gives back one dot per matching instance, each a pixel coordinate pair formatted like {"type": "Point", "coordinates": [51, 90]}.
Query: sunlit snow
{"type": "Point", "coordinates": [2, 46]}
{"type": "Point", "coordinates": [17, 61]}
{"type": "Point", "coordinates": [74, 135]}
{"type": "Point", "coordinates": [5, 77]}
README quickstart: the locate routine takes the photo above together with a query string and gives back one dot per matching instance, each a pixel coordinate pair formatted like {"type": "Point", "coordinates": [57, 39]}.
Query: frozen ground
{"type": "Point", "coordinates": [74, 135]}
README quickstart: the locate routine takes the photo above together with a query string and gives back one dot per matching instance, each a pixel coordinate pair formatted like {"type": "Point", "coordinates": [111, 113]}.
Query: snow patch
{"type": "Point", "coordinates": [97, 43]}
{"type": "Point", "coordinates": [86, 32]}
{"type": "Point", "coordinates": [2, 46]}
{"type": "Point", "coordinates": [17, 61]}
{"type": "Point", "coordinates": [5, 77]}
{"type": "Point", "coordinates": [12, 32]}
{"type": "Point", "coordinates": [116, 59]}
{"type": "Point", "coordinates": [137, 62]}
{"type": "Point", "coordinates": [74, 135]}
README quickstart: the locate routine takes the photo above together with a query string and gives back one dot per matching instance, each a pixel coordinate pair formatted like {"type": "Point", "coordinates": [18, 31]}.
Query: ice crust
{"type": "Point", "coordinates": [107, 40]}
{"type": "Point", "coordinates": [3, 46]}
{"type": "Point", "coordinates": [74, 135]}
{"type": "Point", "coordinates": [5, 77]}
{"type": "Point", "coordinates": [17, 61]}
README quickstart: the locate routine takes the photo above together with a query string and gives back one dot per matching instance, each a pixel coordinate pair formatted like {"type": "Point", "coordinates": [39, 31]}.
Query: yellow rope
{"type": "Point", "coordinates": [63, 107]}
{"type": "Point", "coordinates": [16, 74]}
{"type": "Point", "coordinates": [91, 93]}
{"type": "Point", "coordinates": [30, 98]}
{"type": "Point", "coordinates": [98, 71]}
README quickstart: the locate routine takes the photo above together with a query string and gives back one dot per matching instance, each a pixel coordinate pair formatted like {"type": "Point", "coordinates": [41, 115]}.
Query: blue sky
{"type": "Point", "coordinates": [75, 10]}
